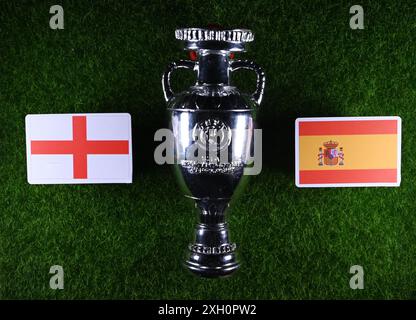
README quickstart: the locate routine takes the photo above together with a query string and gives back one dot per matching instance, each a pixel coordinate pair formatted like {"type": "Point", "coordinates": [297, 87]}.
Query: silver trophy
{"type": "Point", "coordinates": [212, 124]}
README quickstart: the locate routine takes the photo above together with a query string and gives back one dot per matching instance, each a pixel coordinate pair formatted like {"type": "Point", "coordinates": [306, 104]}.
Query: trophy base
{"type": "Point", "coordinates": [212, 272]}
{"type": "Point", "coordinates": [212, 255]}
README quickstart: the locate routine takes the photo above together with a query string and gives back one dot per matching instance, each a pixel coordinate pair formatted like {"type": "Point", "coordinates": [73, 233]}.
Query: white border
{"type": "Point", "coordinates": [80, 181]}
{"type": "Point", "coordinates": [337, 185]}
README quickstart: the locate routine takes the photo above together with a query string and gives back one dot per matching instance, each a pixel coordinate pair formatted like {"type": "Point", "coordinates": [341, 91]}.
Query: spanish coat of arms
{"type": "Point", "coordinates": [330, 154]}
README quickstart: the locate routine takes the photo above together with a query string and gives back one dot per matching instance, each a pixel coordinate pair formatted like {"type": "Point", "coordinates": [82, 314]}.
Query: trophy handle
{"type": "Point", "coordinates": [261, 76]}
{"type": "Point", "coordinates": [181, 64]}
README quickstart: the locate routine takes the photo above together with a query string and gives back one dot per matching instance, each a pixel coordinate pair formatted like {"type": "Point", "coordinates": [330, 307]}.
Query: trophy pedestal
{"type": "Point", "coordinates": [212, 254]}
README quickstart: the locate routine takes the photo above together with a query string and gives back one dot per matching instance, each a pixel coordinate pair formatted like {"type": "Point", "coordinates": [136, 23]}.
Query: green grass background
{"type": "Point", "coordinates": [129, 241]}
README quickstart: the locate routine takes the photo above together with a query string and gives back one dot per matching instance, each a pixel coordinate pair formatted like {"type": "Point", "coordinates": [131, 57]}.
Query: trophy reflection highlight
{"type": "Point", "coordinates": [212, 124]}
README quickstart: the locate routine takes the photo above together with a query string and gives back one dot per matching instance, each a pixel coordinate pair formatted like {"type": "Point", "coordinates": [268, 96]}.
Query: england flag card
{"type": "Point", "coordinates": [79, 148]}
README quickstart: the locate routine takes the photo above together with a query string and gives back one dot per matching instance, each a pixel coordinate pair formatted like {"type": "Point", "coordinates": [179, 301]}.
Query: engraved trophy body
{"type": "Point", "coordinates": [212, 124]}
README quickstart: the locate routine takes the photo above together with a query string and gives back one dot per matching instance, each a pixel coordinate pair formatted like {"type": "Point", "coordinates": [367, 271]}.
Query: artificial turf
{"type": "Point", "coordinates": [129, 241]}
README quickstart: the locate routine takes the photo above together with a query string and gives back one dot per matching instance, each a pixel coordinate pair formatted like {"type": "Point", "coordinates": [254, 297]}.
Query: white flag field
{"type": "Point", "coordinates": [79, 148]}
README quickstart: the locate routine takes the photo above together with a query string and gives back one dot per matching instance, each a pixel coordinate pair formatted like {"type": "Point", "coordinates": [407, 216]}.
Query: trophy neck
{"type": "Point", "coordinates": [213, 67]}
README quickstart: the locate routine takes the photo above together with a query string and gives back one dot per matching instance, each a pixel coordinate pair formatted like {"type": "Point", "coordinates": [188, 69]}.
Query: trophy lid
{"type": "Point", "coordinates": [212, 39]}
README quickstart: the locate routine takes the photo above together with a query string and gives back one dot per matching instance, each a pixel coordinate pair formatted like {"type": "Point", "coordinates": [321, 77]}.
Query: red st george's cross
{"type": "Point", "coordinates": [79, 146]}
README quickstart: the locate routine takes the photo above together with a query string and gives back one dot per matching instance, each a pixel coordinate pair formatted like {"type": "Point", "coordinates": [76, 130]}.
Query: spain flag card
{"type": "Point", "coordinates": [348, 151]}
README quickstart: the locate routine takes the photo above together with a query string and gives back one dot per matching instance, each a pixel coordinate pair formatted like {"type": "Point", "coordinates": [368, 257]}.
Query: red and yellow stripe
{"type": "Point", "coordinates": [370, 150]}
